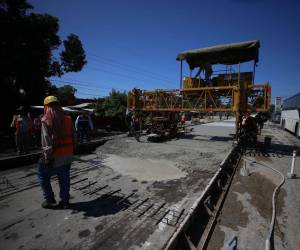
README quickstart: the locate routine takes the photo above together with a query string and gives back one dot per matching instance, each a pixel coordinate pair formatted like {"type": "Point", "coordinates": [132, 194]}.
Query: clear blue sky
{"type": "Point", "coordinates": [135, 43]}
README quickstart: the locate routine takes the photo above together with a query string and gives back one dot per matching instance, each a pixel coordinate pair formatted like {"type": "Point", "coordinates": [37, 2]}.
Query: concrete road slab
{"type": "Point", "coordinates": [126, 195]}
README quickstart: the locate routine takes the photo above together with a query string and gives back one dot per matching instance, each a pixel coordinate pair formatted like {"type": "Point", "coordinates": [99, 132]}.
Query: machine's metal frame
{"type": "Point", "coordinates": [198, 95]}
{"type": "Point", "coordinates": [205, 99]}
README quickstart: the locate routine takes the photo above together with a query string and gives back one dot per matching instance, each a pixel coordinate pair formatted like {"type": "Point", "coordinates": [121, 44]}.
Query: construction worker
{"type": "Point", "coordinates": [183, 120]}
{"type": "Point", "coordinates": [135, 126]}
{"type": "Point", "coordinates": [84, 126]}
{"type": "Point", "coordinates": [23, 129]}
{"type": "Point", "coordinates": [220, 115]}
{"type": "Point", "coordinates": [260, 121]}
{"type": "Point", "coordinates": [58, 140]}
{"type": "Point", "coordinates": [248, 129]}
{"type": "Point", "coordinates": [227, 115]}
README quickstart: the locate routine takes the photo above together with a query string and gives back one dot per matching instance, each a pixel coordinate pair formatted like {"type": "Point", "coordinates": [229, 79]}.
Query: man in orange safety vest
{"type": "Point", "coordinates": [58, 140]}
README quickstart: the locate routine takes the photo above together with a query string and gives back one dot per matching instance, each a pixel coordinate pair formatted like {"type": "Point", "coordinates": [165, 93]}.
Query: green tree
{"type": "Point", "coordinates": [115, 104]}
{"type": "Point", "coordinates": [66, 92]}
{"type": "Point", "coordinates": [73, 57]}
{"type": "Point", "coordinates": [28, 41]}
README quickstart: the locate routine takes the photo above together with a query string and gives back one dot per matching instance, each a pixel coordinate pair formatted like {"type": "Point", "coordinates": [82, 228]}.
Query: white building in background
{"type": "Point", "coordinates": [290, 114]}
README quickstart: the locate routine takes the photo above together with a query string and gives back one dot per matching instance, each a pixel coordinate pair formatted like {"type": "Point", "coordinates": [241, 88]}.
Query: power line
{"type": "Point", "coordinates": [84, 84]}
{"type": "Point", "coordinates": [127, 67]}
{"type": "Point", "coordinates": [130, 66]}
{"type": "Point", "coordinates": [117, 74]}
{"type": "Point", "coordinates": [62, 83]}
{"type": "Point", "coordinates": [127, 49]}
{"type": "Point", "coordinates": [80, 92]}
{"type": "Point", "coordinates": [104, 86]}
{"type": "Point", "coordinates": [88, 94]}
{"type": "Point", "coordinates": [121, 75]}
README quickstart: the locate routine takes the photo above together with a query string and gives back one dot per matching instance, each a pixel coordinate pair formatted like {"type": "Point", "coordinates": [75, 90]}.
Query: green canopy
{"type": "Point", "coordinates": [221, 54]}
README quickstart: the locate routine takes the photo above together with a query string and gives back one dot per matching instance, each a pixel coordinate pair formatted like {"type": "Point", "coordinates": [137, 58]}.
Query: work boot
{"type": "Point", "coordinates": [63, 205]}
{"type": "Point", "coordinates": [49, 204]}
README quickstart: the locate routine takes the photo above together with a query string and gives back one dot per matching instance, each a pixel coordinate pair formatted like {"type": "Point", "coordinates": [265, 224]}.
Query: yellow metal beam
{"type": "Point", "coordinates": [202, 99]}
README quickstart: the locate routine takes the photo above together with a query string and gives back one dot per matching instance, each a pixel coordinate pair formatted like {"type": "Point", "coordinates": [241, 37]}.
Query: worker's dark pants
{"type": "Point", "coordinates": [84, 133]}
{"type": "Point", "coordinates": [63, 174]}
{"type": "Point", "coordinates": [22, 142]}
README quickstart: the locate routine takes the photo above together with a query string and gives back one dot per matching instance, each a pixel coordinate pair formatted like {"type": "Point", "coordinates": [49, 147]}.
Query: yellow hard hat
{"type": "Point", "coordinates": [50, 99]}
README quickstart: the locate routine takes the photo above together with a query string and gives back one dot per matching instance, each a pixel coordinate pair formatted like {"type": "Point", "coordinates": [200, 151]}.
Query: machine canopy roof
{"type": "Point", "coordinates": [221, 54]}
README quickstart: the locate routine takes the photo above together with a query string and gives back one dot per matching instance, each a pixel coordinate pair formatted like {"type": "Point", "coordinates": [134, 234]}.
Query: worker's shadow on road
{"type": "Point", "coordinates": [205, 137]}
{"type": "Point", "coordinates": [284, 149]}
{"type": "Point", "coordinates": [100, 206]}
{"type": "Point", "coordinates": [275, 150]}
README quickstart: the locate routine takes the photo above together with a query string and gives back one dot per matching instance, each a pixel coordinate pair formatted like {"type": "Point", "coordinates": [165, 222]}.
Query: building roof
{"type": "Point", "coordinates": [292, 102]}
{"type": "Point", "coordinates": [81, 105]}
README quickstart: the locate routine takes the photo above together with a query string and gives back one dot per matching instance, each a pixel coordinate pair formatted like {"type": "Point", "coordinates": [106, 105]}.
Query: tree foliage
{"type": "Point", "coordinates": [28, 41]}
{"type": "Point", "coordinates": [115, 104]}
{"type": "Point", "coordinates": [66, 92]}
{"type": "Point", "coordinates": [73, 57]}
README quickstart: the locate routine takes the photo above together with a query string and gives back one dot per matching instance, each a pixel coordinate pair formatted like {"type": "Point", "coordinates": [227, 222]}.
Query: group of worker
{"type": "Point", "coordinates": [55, 132]}
{"type": "Point", "coordinates": [28, 131]}
{"type": "Point", "coordinates": [249, 127]}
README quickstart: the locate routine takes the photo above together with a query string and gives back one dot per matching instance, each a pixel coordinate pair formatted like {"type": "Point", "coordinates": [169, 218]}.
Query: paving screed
{"type": "Point", "coordinates": [125, 195]}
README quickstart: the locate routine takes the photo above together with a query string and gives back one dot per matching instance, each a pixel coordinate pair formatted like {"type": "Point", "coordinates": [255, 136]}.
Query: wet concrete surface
{"type": "Point", "coordinates": [125, 195]}
{"type": "Point", "coordinates": [247, 210]}
{"type": "Point", "coordinates": [144, 169]}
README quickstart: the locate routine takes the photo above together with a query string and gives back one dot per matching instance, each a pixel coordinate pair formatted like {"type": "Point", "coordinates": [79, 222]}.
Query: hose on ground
{"type": "Point", "coordinates": [271, 228]}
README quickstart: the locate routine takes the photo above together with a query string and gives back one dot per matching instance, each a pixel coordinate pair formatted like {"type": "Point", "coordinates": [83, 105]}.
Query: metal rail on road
{"type": "Point", "coordinates": [195, 230]}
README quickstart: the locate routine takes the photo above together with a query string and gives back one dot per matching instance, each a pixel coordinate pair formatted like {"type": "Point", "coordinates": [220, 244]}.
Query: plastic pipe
{"type": "Point", "coordinates": [268, 240]}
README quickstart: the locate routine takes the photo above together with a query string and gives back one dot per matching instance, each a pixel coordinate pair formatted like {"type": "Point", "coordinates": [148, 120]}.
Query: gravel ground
{"type": "Point", "coordinates": [197, 150]}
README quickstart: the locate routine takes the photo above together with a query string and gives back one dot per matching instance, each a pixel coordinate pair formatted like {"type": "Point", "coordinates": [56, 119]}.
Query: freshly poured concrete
{"type": "Point", "coordinates": [229, 124]}
{"type": "Point", "coordinates": [144, 170]}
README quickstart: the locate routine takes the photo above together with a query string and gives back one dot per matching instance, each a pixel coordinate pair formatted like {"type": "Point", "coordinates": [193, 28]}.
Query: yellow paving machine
{"type": "Point", "coordinates": [207, 89]}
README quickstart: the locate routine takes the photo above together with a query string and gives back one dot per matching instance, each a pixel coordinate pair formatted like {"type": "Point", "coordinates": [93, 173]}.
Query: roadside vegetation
{"type": "Point", "coordinates": [31, 51]}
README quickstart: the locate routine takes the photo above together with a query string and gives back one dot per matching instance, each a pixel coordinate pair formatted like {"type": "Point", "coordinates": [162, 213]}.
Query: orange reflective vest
{"type": "Point", "coordinates": [64, 146]}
